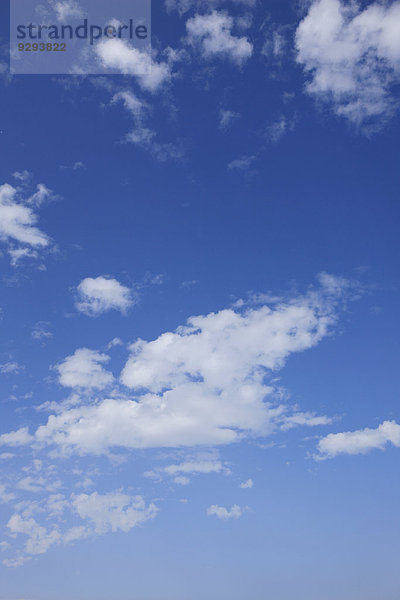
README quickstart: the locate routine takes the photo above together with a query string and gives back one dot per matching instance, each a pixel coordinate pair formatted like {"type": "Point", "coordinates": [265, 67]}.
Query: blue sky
{"type": "Point", "coordinates": [199, 305]}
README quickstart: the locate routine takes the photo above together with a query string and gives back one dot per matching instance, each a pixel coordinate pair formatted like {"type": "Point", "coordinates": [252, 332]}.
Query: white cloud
{"type": "Point", "coordinates": [118, 55]}
{"type": "Point", "coordinates": [212, 35]}
{"type": "Point", "coordinates": [304, 419]}
{"type": "Point", "coordinates": [141, 135]}
{"type": "Point", "coordinates": [67, 9]}
{"type": "Point", "coordinates": [37, 484]}
{"type": "Point", "coordinates": [10, 368]}
{"type": "Point", "coordinates": [277, 129]}
{"type": "Point", "coordinates": [132, 103]}
{"type": "Point", "coordinates": [223, 513]}
{"type": "Point", "coordinates": [76, 166]}
{"type": "Point", "coordinates": [18, 221]}
{"type": "Point", "coordinates": [5, 497]}
{"type": "Point", "coordinates": [246, 485]}
{"type": "Point", "coordinates": [182, 6]}
{"type": "Point", "coordinates": [359, 442]}
{"type": "Point", "coordinates": [22, 176]}
{"type": "Point", "coordinates": [39, 539]}
{"type": "Point", "coordinates": [4, 546]}
{"type": "Point", "coordinates": [19, 254]}
{"type": "Point", "coordinates": [182, 480]}
{"type": "Point", "coordinates": [42, 194]}
{"type": "Point", "coordinates": [6, 455]}
{"type": "Point", "coordinates": [241, 164]}
{"type": "Point", "coordinates": [16, 438]}
{"type": "Point", "coordinates": [226, 117]}
{"type": "Point", "coordinates": [201, 463]}
{"type": "Point", "coordinates": [41, 332]}
{"type": "Point", "coordinates": [114, 511]}
{"type": "Point", "coordinates": [195, 466]}
{"type": "Point", "coordinates": [114, 342]}
{"type": "Point", "coordinates": [203, 384]}
{"type": "Point", "coordinates": [352, 56]}
{"type": "Point", "coordinates": [84, 369]}
{"type": "Point", "coordinates": [101, 513]}
{"type": "Point", "coordinates": [100, 294]}
{"type": "Point", "coordinates": [186, 285]}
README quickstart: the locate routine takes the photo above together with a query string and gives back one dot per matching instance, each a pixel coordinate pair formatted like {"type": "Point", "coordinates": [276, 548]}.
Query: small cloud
{"type": "Point", "coordinates": [22, 176]}
{"type": "Point", "coordinates": [154, 279]}
{"type": "Point", "coordinates": [186, 285]}
{"type": "Point", "coordinates": [76, 166]}
{"type": "Point", "coordinates": [181, 480]}
{"type": "Point", "coordinates": [212, 35]}
{"type": "Point", "coordinates": [359, 442]}
{"type": "Point", "coordinates": [114, 342]}
{"type": "Point", "coordinates": [84, 369]}
{"type": "Point", "coordinates": [6, 455]}
{"type": "Point", "coordinates": [18, 222]}
{"type": "Point", "coordinates": [226, 117]}
{"type": "Point", "coordinates": [19, 254]}
{"type": "Point", "coordinates": [101, 294]}
{"type": "Point", "coordinates": [4, 546]}
{"type": "Point", "coordinates": [5, 497]}
{"type": "Point", "coordinates": [20, 437]}
{"type": "Point", "coordinates": [68, 9]}
{"type": "Point", "coordinates": [41, 332]}
{"type": "Point", "coordinates": [42, 195]}
{"type": "Point", "coordinates": [247, 484]}
{"type": "Point", "coordinates": [10, 368]}
{"type": "Point", "coordinates": [223, 513]}
{"type": "Point", "coordinates": [241, 164]}
{"type": "Point", "coordinates": [304, 419]}
{"type": "Point", "coordinates": [277, 129]}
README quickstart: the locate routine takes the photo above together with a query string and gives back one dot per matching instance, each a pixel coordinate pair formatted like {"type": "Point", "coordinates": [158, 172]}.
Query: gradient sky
{"type": "Point", "coordinates": [199, 308]}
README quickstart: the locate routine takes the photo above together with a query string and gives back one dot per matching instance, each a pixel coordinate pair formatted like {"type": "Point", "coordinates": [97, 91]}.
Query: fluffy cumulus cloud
{"type": "Point", "coordinates": [352, 57]}
{"type": "Point", "coordinates": [213, 35]}
{"type": "Point", "coordinates": [100, 294]}
{"type": "Point", "coordinates": [207, 383]}
{"type": "Point", "coordinates": [359, 442]}
{"type": "Point", "coordinates": [223, 513]}
{"type": "Point", "coordinates": [18, 219]}
{"type": "Point", "coordinates": [84, 369]}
